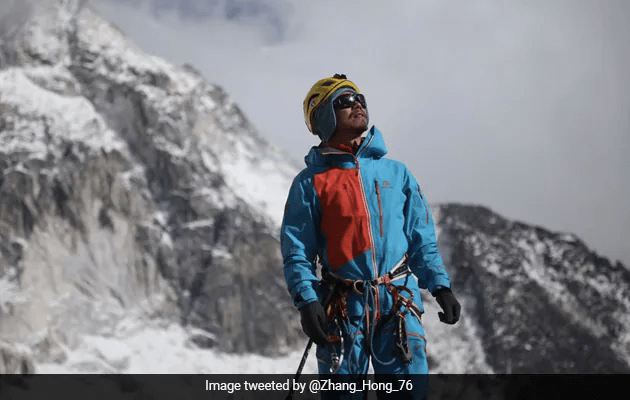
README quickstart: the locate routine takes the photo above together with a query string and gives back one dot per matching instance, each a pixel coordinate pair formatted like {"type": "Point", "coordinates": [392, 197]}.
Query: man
{"type": "Point", "coordinates": [367, 221]}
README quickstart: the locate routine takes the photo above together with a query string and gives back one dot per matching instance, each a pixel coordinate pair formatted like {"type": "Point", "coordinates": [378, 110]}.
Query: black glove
{"type": "Point", "coordinates": [314, 322]}
{"type": "Point", "coordinates": [446, 299]}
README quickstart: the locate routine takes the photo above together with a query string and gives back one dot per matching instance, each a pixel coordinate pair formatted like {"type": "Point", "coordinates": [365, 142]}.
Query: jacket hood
{"type": "Point", "coordinates": [373, 147]}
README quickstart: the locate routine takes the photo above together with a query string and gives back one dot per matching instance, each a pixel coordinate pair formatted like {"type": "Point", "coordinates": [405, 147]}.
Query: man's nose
{"type": "Point", "coordinates": [357, 104]}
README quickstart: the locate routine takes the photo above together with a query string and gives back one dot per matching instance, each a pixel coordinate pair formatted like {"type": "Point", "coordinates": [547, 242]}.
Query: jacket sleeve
{"type": "Point", "coordinates": [425, 259]}
{"type": "Point", "coordinates": [299, 242]}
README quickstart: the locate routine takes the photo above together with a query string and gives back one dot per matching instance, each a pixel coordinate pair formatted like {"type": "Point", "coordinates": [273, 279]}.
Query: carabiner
{"type": "Point", "coordinates": [402, 341]}
{"type": "Point", "coordinates": [336, 360]}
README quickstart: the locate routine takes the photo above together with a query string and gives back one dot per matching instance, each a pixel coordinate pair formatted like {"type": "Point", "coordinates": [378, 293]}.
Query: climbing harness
{"type": "Point", "coordinates": [336, 312]}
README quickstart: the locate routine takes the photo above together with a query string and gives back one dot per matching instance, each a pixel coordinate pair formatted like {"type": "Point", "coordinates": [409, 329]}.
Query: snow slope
{"type": "Point", "coordinates": [150, 346]}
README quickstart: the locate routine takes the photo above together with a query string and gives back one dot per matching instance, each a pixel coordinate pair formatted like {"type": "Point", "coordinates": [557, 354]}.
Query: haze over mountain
{"type": "Point", "coordinates": [523, 106]}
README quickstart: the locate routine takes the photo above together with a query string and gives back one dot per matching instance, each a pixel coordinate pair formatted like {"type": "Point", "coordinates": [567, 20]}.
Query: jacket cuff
{"type": "Point", "coordinates": [305, 296]}
{"type": "Point", "coordinates": [440, 282]}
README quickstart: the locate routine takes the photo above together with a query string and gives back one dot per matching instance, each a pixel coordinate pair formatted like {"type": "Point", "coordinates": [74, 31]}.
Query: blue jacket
{"type": "Point", "coordinates": [361, 214]}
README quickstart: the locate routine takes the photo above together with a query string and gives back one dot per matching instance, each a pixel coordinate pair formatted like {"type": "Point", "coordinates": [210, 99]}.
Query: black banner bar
{"type": "Point", "coordinates": [270, 387]}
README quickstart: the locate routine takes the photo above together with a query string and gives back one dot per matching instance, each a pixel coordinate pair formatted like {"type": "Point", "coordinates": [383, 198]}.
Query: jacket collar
{"type": "Point", "coordinates": [372, 147]}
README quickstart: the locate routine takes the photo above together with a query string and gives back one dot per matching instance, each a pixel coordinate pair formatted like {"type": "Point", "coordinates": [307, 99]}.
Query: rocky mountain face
{"type": "Point", "coordinates": [129, 184]}
{"type": "Point", "coordinates": [541, 302]}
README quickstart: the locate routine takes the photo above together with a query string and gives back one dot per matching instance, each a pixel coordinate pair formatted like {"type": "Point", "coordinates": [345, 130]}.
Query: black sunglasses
{"type": "Point", "coordinates": [348, 100]}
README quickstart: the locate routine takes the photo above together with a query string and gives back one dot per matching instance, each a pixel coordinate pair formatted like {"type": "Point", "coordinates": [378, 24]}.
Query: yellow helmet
{"type": "Point", "coordinates": [320, 92]}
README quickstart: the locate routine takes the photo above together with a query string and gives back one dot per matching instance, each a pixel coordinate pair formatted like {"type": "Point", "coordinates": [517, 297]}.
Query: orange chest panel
{"type": "Point", "coordinates": [345, 219]}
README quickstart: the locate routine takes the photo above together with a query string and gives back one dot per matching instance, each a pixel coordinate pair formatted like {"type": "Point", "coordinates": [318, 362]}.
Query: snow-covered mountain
{"type": "Point", "coordinates": [139, 210]}
{"type": "Point", "coordinates": [129, 182]}
{"type": "Point", "coordinates": [540, 301]}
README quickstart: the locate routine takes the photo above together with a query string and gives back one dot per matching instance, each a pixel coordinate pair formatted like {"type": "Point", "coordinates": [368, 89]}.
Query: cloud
{"type": "Point", "coordinates": [522, 106]}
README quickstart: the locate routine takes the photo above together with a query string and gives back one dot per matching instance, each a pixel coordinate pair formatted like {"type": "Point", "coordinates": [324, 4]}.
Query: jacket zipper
{"type": "Point", "coordinates": [367, 210]}
{"type": "Point", "coordinates": [380, 206]}
{"type": "Point", "coordinates": [377, 302]}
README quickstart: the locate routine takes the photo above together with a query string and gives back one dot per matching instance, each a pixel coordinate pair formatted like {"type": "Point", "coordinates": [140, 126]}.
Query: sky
{"type": "Point", "coordinates": [520, 106]}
